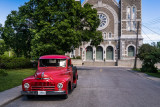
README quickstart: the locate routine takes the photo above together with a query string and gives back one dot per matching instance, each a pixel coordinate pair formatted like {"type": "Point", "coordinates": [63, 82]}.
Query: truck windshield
{"type": "Point", "coordinates": [53, 62]}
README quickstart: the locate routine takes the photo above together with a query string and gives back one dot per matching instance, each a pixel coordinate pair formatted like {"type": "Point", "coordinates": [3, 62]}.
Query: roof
{"type": "Point", "coordinates": [54, 57]}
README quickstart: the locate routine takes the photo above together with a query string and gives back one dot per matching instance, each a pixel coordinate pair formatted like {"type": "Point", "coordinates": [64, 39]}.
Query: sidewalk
{"type": "Point", "coordinates": [145, 75]}
{"type": "Point", "coordinates": [10, 95]}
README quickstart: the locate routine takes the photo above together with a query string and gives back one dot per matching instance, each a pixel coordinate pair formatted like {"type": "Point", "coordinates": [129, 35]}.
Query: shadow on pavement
{"type": "Point", "coordinates": [84, 68]}
{"type": "Point", "coordinates": [44, 98]}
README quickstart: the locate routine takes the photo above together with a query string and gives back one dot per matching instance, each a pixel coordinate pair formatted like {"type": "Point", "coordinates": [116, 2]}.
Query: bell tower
{"type": "Point", "coordinates": [130, 14]}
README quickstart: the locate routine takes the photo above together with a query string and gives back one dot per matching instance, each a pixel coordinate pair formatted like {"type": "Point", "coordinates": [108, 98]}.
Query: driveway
{"type": "Point", "coordinates": [102, 87]}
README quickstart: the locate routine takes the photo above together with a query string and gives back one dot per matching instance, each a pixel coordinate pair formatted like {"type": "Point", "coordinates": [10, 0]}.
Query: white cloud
{"type": "Point", "coordinates": [151, 38]}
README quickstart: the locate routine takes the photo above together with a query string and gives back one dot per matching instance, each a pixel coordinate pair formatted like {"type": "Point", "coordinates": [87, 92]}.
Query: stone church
{"type": "Point", "coordinates": [118, 24]}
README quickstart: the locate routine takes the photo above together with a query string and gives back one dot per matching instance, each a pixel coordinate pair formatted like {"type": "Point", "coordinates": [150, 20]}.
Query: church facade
{"type": "Point", "coordinates": [118, 24]}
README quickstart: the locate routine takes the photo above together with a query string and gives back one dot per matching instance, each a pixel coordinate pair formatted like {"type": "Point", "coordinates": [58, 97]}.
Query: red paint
{"type": "Point", "coordinates": [54, 76]}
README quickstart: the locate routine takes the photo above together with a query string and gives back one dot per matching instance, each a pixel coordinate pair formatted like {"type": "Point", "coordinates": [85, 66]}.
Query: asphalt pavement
{"type": "Point", "coordinates": [101, 87]}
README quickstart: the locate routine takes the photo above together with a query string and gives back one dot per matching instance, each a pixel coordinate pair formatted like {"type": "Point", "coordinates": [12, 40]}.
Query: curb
{"type": "Point", "coordinates": [145, 76]}
{"type": "Point", "coordinates": [10, 95]}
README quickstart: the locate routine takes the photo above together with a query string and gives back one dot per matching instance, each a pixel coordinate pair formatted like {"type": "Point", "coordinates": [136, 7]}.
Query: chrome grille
{"type": "Point", "coordinates": [43, 86]}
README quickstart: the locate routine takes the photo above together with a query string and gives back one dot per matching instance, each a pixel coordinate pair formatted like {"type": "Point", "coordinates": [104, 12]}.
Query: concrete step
{"type": "Point", "coordinates": [99, 63]}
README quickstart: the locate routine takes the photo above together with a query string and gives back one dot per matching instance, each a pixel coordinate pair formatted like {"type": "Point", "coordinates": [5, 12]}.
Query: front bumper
{"type": "Point", "coordinates": [47, 92]}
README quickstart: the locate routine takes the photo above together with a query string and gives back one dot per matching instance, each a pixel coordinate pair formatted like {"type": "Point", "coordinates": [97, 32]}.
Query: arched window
{"type": "Point", "coordinates": [134, 24]}
{"type": "Point", "coordinates": [134, 13]}
{"type": "Point", "coordinates": [128, 16]}
{"type": "Point", "coordinates": [131, 51]}
{"type": "Point", "coordinates": [89, 53]}
{"type": "Point", "coordinates": [104, 35]}
{"type": "Point", "coordinates": [128, 25]}
{"type": "Point", "coordinates": [99, 53]}
{"type": "Point", "coordinates": [128, 12]}
{"type": "Point", "coordinates": [109, 53]}
{"type": "Point", "coordinates": [134, 18]}
{"type": "Point", "coordinates": [110, 35]}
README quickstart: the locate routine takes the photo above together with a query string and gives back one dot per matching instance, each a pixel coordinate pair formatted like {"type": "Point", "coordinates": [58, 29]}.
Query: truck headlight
{"type": "Point", "coordinates": [26, 85]}
{"type": "Point", "coordinates": [60, 85]}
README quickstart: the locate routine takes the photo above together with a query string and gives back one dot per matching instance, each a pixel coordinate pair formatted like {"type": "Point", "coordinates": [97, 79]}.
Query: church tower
{"type": "Point", "coordinates": [130, 14]}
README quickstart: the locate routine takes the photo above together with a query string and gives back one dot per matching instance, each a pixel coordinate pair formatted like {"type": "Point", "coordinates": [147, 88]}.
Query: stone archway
{"type": "Point", "coordinates": [99, 53]}
{"type": "Point", "coordinates": [109, 53]}
{"type": "Point", "coordinates": [131, 51]}
{"type": "Point", "coordinates": [89, 53]}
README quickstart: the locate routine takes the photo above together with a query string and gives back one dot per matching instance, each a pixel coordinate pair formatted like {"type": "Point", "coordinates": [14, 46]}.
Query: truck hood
{"type": "Point", "coordinates": [50, 72]}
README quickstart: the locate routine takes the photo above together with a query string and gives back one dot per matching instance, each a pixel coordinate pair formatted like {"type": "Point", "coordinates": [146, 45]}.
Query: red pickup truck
{"type": "Point", "coordinates": [55, 76]}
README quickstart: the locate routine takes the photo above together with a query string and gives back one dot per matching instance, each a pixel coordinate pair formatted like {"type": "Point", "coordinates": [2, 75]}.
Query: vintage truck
{"type": "Point", "coordinates": [55, 75]}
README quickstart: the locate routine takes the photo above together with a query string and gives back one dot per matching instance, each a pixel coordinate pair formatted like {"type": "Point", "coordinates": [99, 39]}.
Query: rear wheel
{"type": "Point", "coordinates": [74, 69]}
{"type": "Point", "coordinates": [75, 84]}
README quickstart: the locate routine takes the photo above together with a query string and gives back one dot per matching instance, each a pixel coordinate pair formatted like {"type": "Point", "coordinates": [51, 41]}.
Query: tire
{"type": "Point", "coordinates": [30, 96]}
{"type": "Point", "coordinates": [74, 69]}
{"type": "Point", "coordinates": [75, 84]}
{"type": "Point", "coordinates": [65, 96]}
{"type": "Point", "coordinates": [69, 90]}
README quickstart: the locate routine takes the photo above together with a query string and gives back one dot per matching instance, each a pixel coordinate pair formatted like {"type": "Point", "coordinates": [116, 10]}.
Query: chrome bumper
{"type": "Point", "coordinates": [47, 92]}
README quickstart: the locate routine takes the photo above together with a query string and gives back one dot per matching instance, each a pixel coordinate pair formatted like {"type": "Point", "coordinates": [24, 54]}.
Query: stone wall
{"type": "Point", "coordinates": [77, 62]}
{"type": "Point", "coordinates": [129, 63]}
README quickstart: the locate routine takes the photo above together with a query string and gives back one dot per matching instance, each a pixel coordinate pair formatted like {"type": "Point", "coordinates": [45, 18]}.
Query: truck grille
{"type": "Point", "coordinates": [43, 86]}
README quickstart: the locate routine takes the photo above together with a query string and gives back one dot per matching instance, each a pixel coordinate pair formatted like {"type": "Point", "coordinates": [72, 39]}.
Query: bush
{"type": "Point", "coordinates": [13, 63]}
{"type": "Point", "coordinates": [149, 68]}
{"type": "Point", "coordinates": [150, 55]}
{"type": "Point", "coordinates": [78, 57]}
{"type": "Point", "coordinates": [3, 72]}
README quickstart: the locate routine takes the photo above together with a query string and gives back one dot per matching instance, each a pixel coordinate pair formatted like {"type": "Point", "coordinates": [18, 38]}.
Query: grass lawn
{"type": "Point", "coordinates": [151, 74]}
{"type": "Point", "coordinates": [154, 74]}
{"type": "Point", "coordinates": [14, 78]}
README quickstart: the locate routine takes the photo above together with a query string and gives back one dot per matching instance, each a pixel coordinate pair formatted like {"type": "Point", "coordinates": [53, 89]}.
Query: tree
{"type": "Point", "coordinates": [3, 47]}
{"type": "Point", "coordinates": [158, 45]}
{"type": "Point", "coordinates": [17, 35]}
{"type": "Point", "coordinates": [51, 27]}
{"type": "Point", "coordinates": [150, 55]}
{"type": "Point", "coordinates": [1, 30]}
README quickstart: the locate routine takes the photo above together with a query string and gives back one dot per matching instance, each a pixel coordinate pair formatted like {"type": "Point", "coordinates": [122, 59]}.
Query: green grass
{"type": "Point", "coordinates": [14, 78]}
{"type": "Point", "coordinates": [154, 74]}
{"type": "Point", "coordinates": [151, 74]}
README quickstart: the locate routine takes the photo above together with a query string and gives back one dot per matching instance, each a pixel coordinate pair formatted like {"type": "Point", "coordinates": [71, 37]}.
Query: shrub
{"type": "Point", "coordinates": [13, 63]}
{"type": "Point", "coordinates": [150, 55]}
{"type": "Point", "coordinates": [149, 68]}
{"type": "Point", "coordinates": [3, 72]}
{"type": "Point", "coordinates": [78, 57]}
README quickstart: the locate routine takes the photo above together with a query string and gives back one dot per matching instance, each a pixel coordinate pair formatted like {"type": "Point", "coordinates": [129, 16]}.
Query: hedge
{"type": "Point", "coordinates": [13, 63]}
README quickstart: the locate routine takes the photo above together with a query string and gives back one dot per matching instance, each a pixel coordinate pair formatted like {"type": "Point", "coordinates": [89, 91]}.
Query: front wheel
{"type": "Point", "coordinates": [30, 96]}
{"type": "Point", "coordinates": [65, 96]}
{"type": "Point", "coordinates": [68, 91]}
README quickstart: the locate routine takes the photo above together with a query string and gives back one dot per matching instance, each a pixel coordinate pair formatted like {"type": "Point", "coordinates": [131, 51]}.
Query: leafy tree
{"type": "Point", "coordinates": [51, 27]}
{"type": "Point", "coordinates": [158, 45]}
{"type": "Point", "coordinates": [1, 30]}
{"type": "Point", "coordinates": [16, 34]}
{"type": "Point", "coordinates": [150, 55]}
{"type": "Point", "coordinates": [3, 47]}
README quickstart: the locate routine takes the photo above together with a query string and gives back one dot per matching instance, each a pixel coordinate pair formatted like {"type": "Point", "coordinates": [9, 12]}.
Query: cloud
{"type": "Point", "coordinates": [149, 38]}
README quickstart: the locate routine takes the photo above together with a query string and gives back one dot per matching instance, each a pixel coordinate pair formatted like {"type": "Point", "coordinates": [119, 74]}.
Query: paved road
{"type": "Point", "coordinates": [102, 87]}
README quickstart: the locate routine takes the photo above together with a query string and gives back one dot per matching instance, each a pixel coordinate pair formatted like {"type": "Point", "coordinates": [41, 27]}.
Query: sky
{"type": "Point", "coordinates": [150, 16]}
